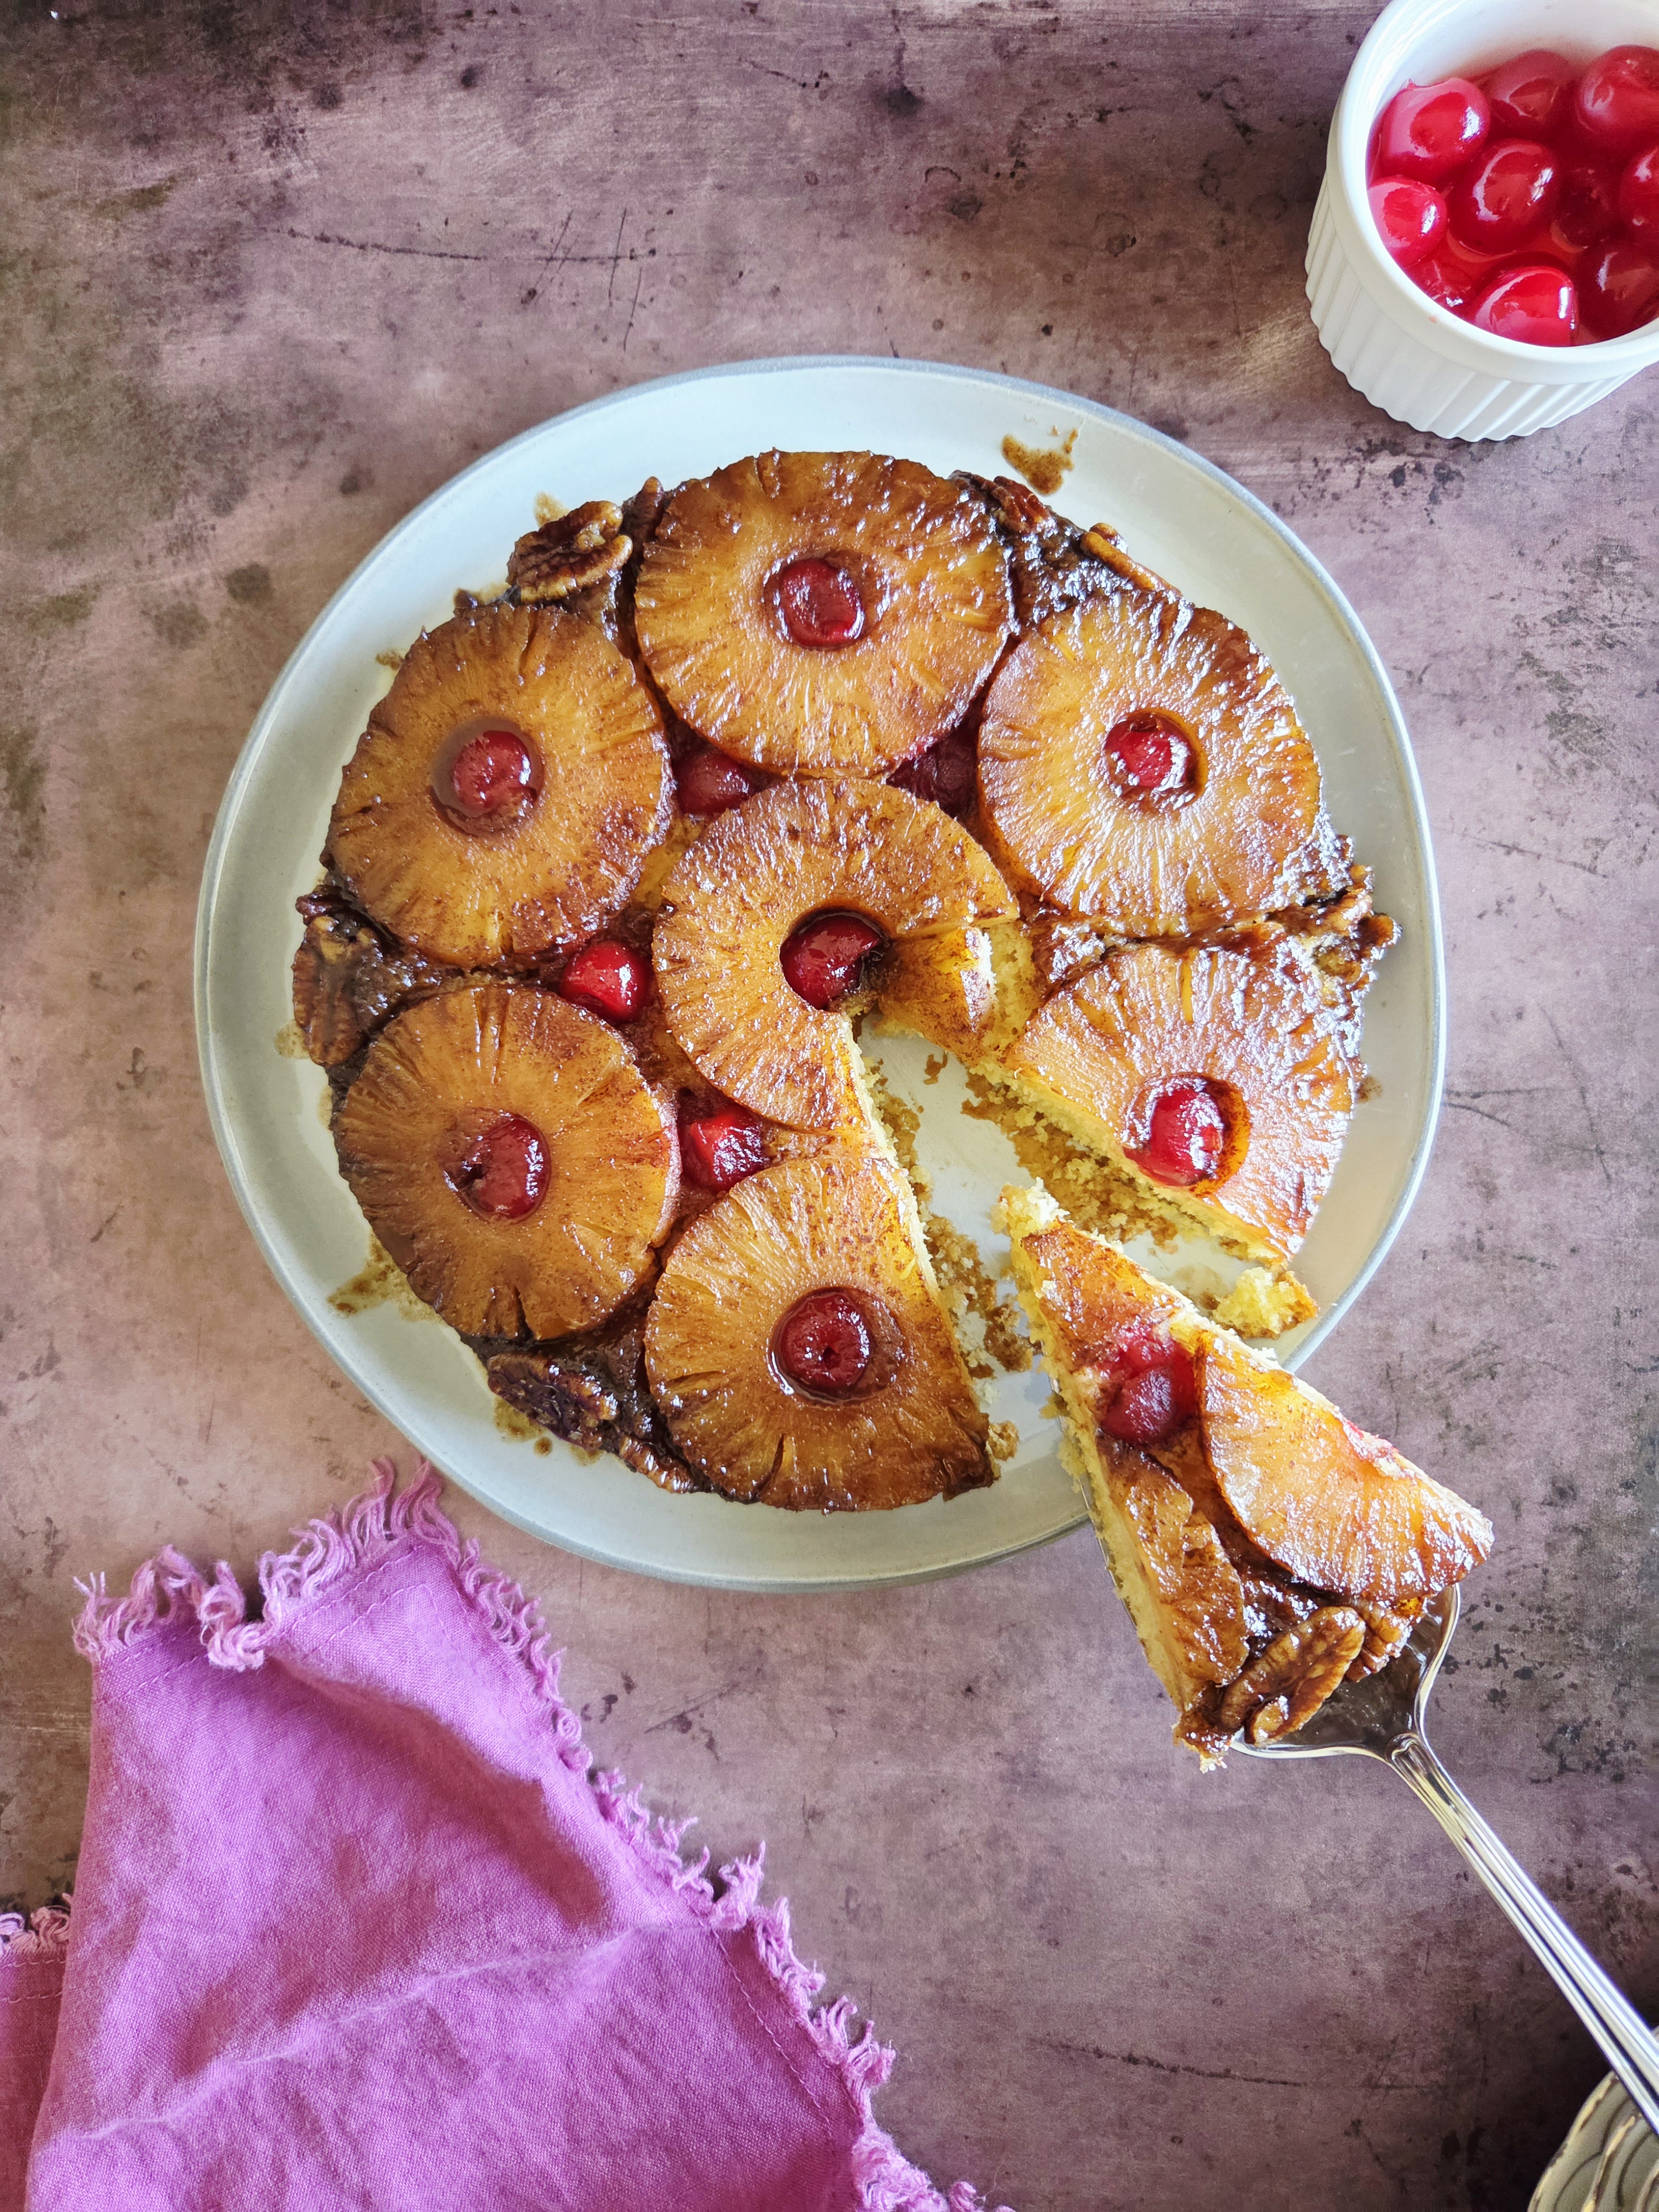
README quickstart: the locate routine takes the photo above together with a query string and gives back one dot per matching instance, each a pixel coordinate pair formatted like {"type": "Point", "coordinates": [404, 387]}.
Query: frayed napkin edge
{"type": "Point", "coordinates": [168, 1587]}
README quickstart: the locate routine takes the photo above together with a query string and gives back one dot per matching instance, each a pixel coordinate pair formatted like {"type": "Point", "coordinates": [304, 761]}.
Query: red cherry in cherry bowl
{"type": "Point", "coordinates": [720, 1142]}
{"type": "Point", "coordinates": [1621, 287]}
{"type": "Point", "coordinates": [1504, 198]}
{"type": "Point", "coordinates": [607, 978]}
{"type": "Point", "coordinates": [1429, 130]}
{"type": "Point", "coordinates": [1638, 196]}
{"type": "Point", "coordinates": [485, 771]}
{"type": "Point", "coordinates": [1588, 209]}
{"type": "Point", "coordinates": [824, 1343]}
{"type": "Point", "coordinates": [502, 1170]}
{"type": "Point", "coordinates": [1535, 304]}
{"type": "Point", "coordinates": [709, 782]}
{"type": "Point", "coordinates": [824, 960]}
{"type": "Point", "coordinates": [1186, 1137]}
{"type": "Point", "coordinates": [1531, 96]}
{"type": "Point", "coordinates": [1617, 102]}
{"type": "Point", "coordinates": [820, 603]}
{"type": "Point", "coordinates": [1410, 217]}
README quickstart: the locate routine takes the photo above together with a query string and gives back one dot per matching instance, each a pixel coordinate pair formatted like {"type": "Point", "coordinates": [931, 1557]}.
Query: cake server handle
{"type": "Point", "coordinates": [1631, 2048]}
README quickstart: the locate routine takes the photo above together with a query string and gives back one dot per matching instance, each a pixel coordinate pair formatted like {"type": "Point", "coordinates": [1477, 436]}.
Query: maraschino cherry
{"type": "Point", "coordinates": [720, 1142]}
{"type": "Point", "coordinates": [1149, 756]}
{"type": "Point", "coordinates": [824, 1344]}
{"type": "Point", "coordinates": [947, 773]}
{"type": "Point", "coordinates": [607, 978]}
{"type": "Point", "coordinates": [820, 604]}
{"type": "Point", "coordinates": [709, 782]}
{"type": "Point", "coordinates": [824, 960]}
{"type": "Point", "coordinates": [1638, 200]}
{"type": "Point", "coordinates": [1429, 130]}
{"type": "Point", "coordinates": [1410, 217]}
{"type": "Point", "coordinates": [1158, 1391]}
{"type": "Point", "coordinates": [1621, 287]}
{"type": "Point", "coordinates": [503, 1172]}
{"type": "Point", "coordinates": [1501, 200]}
{"type": "Point", "coordinates": [1617, 103]}
{"type": "Point", "coordinates": [484, 772]}
{"type": "Point", "coordinates": [1530, 96]}
{"type": "Point", "coordinates": [1536, 303]}
{"type": "Point", "coordinates": [1186, 1133]}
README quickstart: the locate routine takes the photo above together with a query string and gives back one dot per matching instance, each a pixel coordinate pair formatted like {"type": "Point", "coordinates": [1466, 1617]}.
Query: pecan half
{"type": "Point", "coordinates": [564, 557]}
{"type": "Point", "coordinates": [1386, 1630]}
{"type": "Point", "coordinates": [348, 979]}
{"type": "Point", "coordinates": [1286, 1685]}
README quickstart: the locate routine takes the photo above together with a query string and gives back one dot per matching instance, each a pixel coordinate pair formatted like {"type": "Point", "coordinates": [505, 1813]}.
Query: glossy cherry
{"type": "Point", "coordinates": [1588, 209]}
{"type": "Point", "coordinates": [484, 770]}
{"type": "Point", "coordinates": [1410, 217]}
{"type": "Point", "coordinates": [708, 782]}
{"type": "Point", "coordinates": [720, 1142]}
{"type": "Point", "coordinates": [503, 1172]}
{"type": "Point", "coordinates": [824, 1344]}
{"type": "Point", "coordinates": [824, 959]}
{"type": "Point", "coordinates": [1617, 102]}
{"type": "Point", "coordinates": [1149, 756]}
{"type": "Point", "coordinates": [1621, 287]}
{"type": "Point", "coordinates": [608, 978]}
{"type": "Point", "coordinates": [1186, 1133]}
{"type": "Point", "coordinates": [1429, 130]}
{"type": "Point", "coordinates": [819, 602]}
{"type": "Point", "coordinates": [1531, 95]}
{"type": "Point", "coordinates": [1638, 195]}
{"type": "Point", "coordinates": [1158, 1391]}
{"type": "Point", "coordinates": [1506, 196]}
{"type": "Point", "coordinates": [1534, 303]}
{"type": "Point", "coordinates": [947, 773]}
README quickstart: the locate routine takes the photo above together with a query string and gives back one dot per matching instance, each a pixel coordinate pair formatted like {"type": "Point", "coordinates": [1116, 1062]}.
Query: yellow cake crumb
{"type": "Point", "coordinates": [1260, 1304]}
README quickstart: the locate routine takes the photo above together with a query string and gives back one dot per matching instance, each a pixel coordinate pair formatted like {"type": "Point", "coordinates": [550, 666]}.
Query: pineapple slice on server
{"type": "Point", "coordinates": [823, 614]}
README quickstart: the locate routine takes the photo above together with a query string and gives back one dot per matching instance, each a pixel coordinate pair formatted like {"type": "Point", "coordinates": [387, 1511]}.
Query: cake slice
{"type": "Point", "coordinates": [1266, 1548]}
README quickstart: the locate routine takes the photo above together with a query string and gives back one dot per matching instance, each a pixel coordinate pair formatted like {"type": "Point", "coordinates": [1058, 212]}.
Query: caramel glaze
{"type": "Point", "coordinates": [351, 978]}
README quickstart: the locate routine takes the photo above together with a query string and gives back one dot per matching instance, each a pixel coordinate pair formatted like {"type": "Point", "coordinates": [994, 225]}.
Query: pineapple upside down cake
{"type": "Point", "coordinates": [629, 853]}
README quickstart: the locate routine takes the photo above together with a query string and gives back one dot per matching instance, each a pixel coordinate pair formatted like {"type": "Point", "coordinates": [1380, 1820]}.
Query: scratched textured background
{"type": "Point", "coordinates": [270, 274]}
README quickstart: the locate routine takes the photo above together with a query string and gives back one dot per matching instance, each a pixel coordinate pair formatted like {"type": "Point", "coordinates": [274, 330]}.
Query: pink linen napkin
{"type": "Point", "coordinates": [355, 1925]}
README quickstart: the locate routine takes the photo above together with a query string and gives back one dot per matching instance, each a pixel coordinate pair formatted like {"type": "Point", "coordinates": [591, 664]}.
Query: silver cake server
{"type": "Point", "coordinates": [1384, 1718]}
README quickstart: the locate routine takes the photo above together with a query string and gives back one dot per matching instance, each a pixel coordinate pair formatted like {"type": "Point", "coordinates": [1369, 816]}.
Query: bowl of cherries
{"type": "Point", "coordinates": [1485, 255]}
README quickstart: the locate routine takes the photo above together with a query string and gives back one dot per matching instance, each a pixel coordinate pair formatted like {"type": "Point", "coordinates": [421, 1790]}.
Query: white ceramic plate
{"type": "Point", "coordinates": [1177, 514]}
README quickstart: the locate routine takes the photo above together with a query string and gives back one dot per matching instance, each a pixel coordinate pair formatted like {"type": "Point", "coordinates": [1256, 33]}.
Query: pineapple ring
{"type": "Point", "coordinates": [804, 849]}
{"type": "Point", "coordinates": [1258, 1027]}
{"type": "Point", "coordinates": [1248, 837]}
{"type": "Point", "coordinates": [612, 1160]}
{"type": "Point", "coordinates": [554, 875]}
{"type": "Point", "coordinates": [931, 576]}
{"type": "Point", "coordinates": [837, 1219]}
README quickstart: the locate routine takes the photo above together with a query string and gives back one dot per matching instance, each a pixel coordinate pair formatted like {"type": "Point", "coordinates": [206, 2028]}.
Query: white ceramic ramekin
{"type": "Point", "coordinates": [1411, 357]}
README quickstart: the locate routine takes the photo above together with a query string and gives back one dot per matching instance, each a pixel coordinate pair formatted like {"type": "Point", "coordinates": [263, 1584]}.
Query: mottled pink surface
{"type": "Point", "coordinates": [271, 275]}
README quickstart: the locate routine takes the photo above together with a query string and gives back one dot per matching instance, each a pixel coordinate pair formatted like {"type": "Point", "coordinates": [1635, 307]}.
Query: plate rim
{"type": "Point", "coordinates": [1318, 575]}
